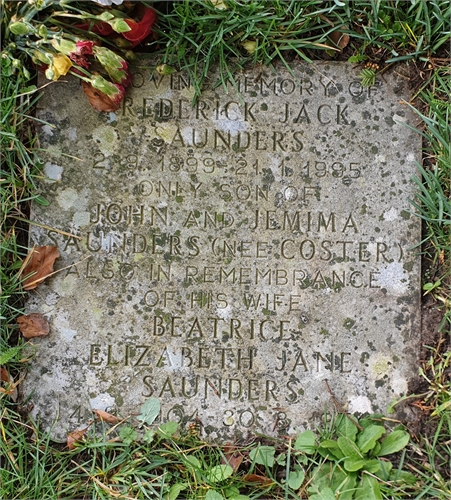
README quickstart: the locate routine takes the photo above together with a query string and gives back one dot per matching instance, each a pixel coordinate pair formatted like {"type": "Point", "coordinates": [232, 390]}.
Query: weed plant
{"type": "Point", "coordinates": [125, 460]}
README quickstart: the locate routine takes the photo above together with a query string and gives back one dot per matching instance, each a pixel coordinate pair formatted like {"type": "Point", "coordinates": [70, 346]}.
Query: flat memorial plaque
{"type": "Point", "coordinates": [235, 259]}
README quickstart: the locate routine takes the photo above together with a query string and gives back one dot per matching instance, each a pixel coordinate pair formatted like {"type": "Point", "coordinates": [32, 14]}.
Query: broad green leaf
{"type": "Point", "coordinates": [394, 442]}
{"type": "Point", "coordinates": [384, 471]}
{"type": "Point", "coordinates": [325, 494]}
{"type": "Point", "coordinates": [367, 439]}
{"type": "Point", "coordinates": [321, 478]}
{"type": "Point", "coordinates": [263, 455]}
{"type": "Point", "coordinates": [175, 490]}
{"type": "Point", "coordinates": [330, 448]}
{"type": "Point", "coordinates": [149, 436]}
{"type": "Point", "coordinates": [354, 464]}
{"type": "Point", "coordinates": [295, 479]}
{"type": "Point", "coordinates": [213, 495]}
{"type": "Point", "coordinates": [281, 459]}
{"type": "Point", "coordinates": [373, 466]}
{"type": "Point", "coordinates": [368, 489]}
{"type": "Point", "coordinates": [349, 448]}
{"type": "Point", "coordinates": [239, 497]}
{"type": "Point", "coordinates": [193, 461]}
{"type": "Point", "coordinates": [128, 434]}
{"type": "Point", "coordinates": [346, 428]}
{"type": "Point", "coordinates": [401, 476]}
{"type": "Point", "coordinates": [219, 473]}
{"type": "Point", "coordinates": [305, 442]}
{"type": "Point", "coordinates": [149, 411]}
{"type": "Point", "coordinates": [231, 491]}
{"type": "Point", "coordinates": [167, 429]}
{"type": "Point", "coordinates": [344, 482]}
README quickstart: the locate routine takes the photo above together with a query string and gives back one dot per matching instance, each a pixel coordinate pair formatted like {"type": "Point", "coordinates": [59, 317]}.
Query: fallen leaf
{"type": "Point", "coordinates": [106, 417]}
{"type": "Point", "coordinates": [339, 38]}
{"type": "Point", "coordinates": [232, 456]}
{"type": "Point", "coordinates": [255, 478]}
{"type": "Point", "coordinates": [75, 436]}
{"type": "Point", "coordinates": [4, 375]}
{"type": "Point", "coordinates": [39, 266]}
{"type": "Point", "coordinates": [99, 100]}
{"type": "Point", "coordinates": [33, 325]}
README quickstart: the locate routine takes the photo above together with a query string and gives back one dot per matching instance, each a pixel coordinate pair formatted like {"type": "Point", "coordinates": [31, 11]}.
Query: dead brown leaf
{"type": "Point", "coordinates": [40, 265]}
{"type": "Point", "coordinates": [75, 436]}
{"type": "Point", "coordinates": [106, 417]}
{"type": "Point", "coordinates": [255, 478]}
{"type": "Point", "coordinates": [232, 456]}
{"type": "Point", "coordinates": [99, 100]}
{"type": "Point", "coordinates": [339, 38]}
{"type": "Point", "coordinates": [33, 325]}
{"type": "Point", "coordinates": [4, 375]}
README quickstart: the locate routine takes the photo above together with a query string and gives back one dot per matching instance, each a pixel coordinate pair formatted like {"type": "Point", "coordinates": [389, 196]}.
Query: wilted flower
{"type": "Point", "coordinates": [59, 66]}
{"type": "Point", "coordinates": [75, 50]}
{"type": "Point", "coordinates": [102, 94]}
{"type": "Point", "coordinates": [139, 30]}
{"type": "Point", "coordinates": [115, 65]}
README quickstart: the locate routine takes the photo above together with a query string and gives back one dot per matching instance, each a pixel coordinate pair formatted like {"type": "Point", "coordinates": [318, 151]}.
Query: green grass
{"type": "Point", "coordinates": [114, 460]}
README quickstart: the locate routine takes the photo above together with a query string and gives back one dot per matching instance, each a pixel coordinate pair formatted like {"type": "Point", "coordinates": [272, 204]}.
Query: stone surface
{"type": "Point", "coordinates": [231, 257]}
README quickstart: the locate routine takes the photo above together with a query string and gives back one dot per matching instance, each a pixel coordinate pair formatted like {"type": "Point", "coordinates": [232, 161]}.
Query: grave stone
{"type": "Point", "coordinates": [241, 258]}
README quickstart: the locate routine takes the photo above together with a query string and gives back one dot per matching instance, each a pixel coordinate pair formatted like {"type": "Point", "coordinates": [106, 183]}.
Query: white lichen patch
{"type": "Point", "coordinates": [103, 401]}
{"type": "Point", "coordinates": [53, 172]}
{"type": "Point", "coordinates": [81, 219]}
{"type": "Point", "coordinates": [360, 404]}
{"type": "Point", "coordinates": [392, 277]}
{"type": "Point", "coordinates": [107, 139]}
{"type": "Point", "coordinates": [67, 198]}
{"type": "Point", "coordinates": [391, 215]}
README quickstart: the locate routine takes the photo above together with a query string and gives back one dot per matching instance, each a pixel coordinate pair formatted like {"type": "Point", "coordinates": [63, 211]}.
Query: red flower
{"type": "Point", "coordinates": [141, 29]}
{"type": "Point", "coordinates": [83, 48]}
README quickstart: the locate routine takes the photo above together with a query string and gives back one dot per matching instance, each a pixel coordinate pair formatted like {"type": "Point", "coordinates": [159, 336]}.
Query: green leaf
{"type": "Point", "coordinates": [368, 489]}
{"type": "Point", "coordinates": [344, 482]}
{"type": "Point", "coordinates": [239, 497]}
{"type": "Point", "coordinates": [352, 464]}
{"type": "Point", "coordinates": [394, 442]}
{"type": "Point", "coordinates": [349, 448]}
{"type": "Point", "coordinates": [20, 28]}
{"type": "Point", "coordinates": [305, 442]}
{"type": "Point", "coordinates": [384, 471]}
{"type": "Point", "coordinates": [219, 473]}
{"type": "Point", "coordinates": [119, 25]}
{"type": "Point", "coordinates": [373, 466]}
{"type": "Point", "coordinates": [167, 429]}
{"type": "Point", "coordinates": [40, 200]}
{"type": "Point", "coordinates": [231, 491]}
{"type": "Point", "coordinates": [128, 434]}
{"type": "Point", "coordinates": [213, 495]}
{"type": "Point", "coordinates": [401, 476]}
{"type": "Point", "coordinates": [263, 455]}
{"type": "Point", "coordinates": [295, 479]}
{"type": "Point", "coordinates": [325, 494]}
{"type": "Point", "coordinates": [192, 460]}
{"type": "Point", "coordinates": [175, 490]}
{"type": "Point", "coordinates": [148, 436]}
{"type": "Point", "coordinates": [149, 411]}
{"type": "Point", "coordinates": [346, 428]}
{"type": "Point", "coordinates": [367, 439]}
{"type": "Point", "coordinates": [331, 448]}
{"type": "Point", "coordinates": [105, 16]}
